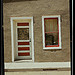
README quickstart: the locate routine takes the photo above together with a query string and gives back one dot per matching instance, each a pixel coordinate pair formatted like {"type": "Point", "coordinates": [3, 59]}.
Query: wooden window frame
{"type": "Point", "coordinates": [59, 32]}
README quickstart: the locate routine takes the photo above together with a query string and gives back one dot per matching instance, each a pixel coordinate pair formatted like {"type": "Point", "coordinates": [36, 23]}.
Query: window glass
{"type": "Point", "coordinates": [51, 39]}
{"type": "Point", "coordinates": [51, 24]}
{"type": "Point", "coordinates": [23, 33]}
{"type": "Point", "coordinates": [51, 31]}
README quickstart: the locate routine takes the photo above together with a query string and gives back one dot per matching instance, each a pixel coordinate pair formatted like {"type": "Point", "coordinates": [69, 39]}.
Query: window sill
{"type": "Point", "coordinates": [52, 48]}
{"type": "Point", "coordinates": [20, 61]}
{"type": "Point", "coordinates": [34, 65]}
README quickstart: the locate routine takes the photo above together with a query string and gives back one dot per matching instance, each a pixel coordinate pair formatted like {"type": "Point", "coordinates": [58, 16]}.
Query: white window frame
{"type": "Point", "coordinates": [12, 37]}
{"type": "Point", "coordinates": [53, 16]}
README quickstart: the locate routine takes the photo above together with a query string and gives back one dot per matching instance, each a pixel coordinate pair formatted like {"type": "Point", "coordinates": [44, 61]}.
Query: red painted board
{"type": "Point", "coordinates": [22, 24]}
{"type": "Point", "coordinates": [23, 48]}
{"type": "Point", "coordinates": [23, 43]}
{"type": "Point", "coordinates": [24, 54]}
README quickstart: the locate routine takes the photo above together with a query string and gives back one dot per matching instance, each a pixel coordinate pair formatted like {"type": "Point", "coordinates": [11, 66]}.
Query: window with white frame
{"type": "Point", "coordinates": [51, 32]}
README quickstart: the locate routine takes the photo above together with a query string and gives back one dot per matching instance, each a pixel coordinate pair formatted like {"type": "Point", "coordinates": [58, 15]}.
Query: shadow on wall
{"type": "Point", "coordinates": [8, 1]}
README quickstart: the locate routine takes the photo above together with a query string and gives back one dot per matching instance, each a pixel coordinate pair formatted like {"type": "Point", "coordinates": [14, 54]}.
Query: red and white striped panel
{"type": "Point", "coordinates": [24, 50]}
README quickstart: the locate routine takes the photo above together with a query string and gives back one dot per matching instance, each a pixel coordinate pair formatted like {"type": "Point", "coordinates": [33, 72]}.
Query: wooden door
{"type": "Point", "coordinates": [23, 41]}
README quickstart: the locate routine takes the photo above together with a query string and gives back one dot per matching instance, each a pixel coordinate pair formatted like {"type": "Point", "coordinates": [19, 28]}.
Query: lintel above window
{"type": "Point", "coordinates": [51, 32]}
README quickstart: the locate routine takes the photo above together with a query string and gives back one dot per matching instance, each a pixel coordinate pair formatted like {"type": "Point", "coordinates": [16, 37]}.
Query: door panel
{"type": "Point", "coordinates": [23, 41]}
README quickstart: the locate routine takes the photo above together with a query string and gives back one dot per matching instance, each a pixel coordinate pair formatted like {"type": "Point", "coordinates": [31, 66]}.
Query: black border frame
{"type": "Point", "coordinates": [2, 40]}
{"type": "Point", "coordinates": [71, 33]}
{"type": "Point", "coordinates": [2, 37]}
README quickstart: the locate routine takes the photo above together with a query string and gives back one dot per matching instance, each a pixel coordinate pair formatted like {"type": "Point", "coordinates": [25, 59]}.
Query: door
{"type": "Point", "coordinates": [23, 41]}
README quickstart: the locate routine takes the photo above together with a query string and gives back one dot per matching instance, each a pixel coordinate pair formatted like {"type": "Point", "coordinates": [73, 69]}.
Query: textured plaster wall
{"type": "Point", "coordinates": [37, 9]}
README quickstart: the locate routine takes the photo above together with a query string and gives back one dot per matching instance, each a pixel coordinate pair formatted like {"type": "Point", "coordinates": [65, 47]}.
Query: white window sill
{"type": "Point", "coordinates": [33, 65]}
{"type": "Point", "coordinates": [52, 47]}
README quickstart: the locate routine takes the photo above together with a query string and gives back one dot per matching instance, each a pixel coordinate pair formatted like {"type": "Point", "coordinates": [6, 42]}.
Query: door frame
{"type": "Point", "coordinates": [12, 35]}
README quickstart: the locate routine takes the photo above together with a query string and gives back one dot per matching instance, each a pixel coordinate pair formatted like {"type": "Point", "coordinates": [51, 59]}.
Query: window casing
{"type": "Point", "coordinates": [51, 32]}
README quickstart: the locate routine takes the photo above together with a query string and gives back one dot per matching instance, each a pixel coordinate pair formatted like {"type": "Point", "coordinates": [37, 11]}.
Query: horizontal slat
{"type": "Point", "coordinates": [23, 48]}
{"type": "Point", "coordinates": [24, 54]}
{"type": "Point", "coordinates": [23, 43]}
{"type": "Point", "coordinates": [22, 24]}
{"type": "Point", "coordinates": [23, 40]}
{"type": "Point", "coordinates": [23, 51]}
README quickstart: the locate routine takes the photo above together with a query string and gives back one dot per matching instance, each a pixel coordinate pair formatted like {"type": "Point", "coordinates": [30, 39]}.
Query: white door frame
{"type": "Point", "coordinates": [12, 35]}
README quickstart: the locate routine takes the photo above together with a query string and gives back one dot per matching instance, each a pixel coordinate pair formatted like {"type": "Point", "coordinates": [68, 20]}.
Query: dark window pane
{"type": "Point", "coordinates": [23, 33]}
{"type": "Point", "coordinates": [51, 39]}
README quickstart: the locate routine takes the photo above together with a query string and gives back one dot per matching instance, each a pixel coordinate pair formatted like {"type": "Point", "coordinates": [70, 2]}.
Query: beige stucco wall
{"type": "Point", "coordinates": [40, 73]}
{"type": "Point", "coordinates": [37, 9]}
